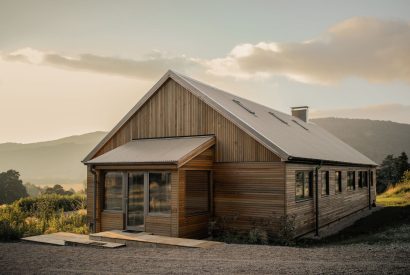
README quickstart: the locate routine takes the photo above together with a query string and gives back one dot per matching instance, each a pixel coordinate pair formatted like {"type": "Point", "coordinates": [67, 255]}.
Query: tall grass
{"type": "Point", "coordinates": [398, 195]}
{"type": "Point", "coordinates": [45, 214]}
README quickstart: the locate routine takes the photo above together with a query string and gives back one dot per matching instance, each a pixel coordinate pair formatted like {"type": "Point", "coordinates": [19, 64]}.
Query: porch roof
{"type": "Point", "coordinates": [156, 150]}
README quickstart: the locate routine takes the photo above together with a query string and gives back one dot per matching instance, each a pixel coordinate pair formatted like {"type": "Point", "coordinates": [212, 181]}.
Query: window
{"type": "Point", "coordinates": [325, 182]}
{"type": "Point", "coordinates": [196, 192]}
{"type": "Point", "coordinates": [160, 192]}
{"type": "Point", "coordinates": [338, 181]}
{"type": "Point", "coordinates": [365, 179]}
{"type": "Point", "coordinates": [113, 191]}
{"type": "Point", "coordinates": [351, 180]}
{"type": "Point", "coordinates": [360, 179]}
{"type": "Point", "coordinates": [303, 182]}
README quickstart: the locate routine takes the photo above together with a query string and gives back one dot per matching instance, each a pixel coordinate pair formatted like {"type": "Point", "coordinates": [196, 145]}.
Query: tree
{"type": "Point", "coordinates": [57, 189]}
{"type": "Point", "coordinates": [391, 171]}
{"type": "Point", "coordinates": [11, 187]}
{"type": "Point", "coordinates": [33, 190]}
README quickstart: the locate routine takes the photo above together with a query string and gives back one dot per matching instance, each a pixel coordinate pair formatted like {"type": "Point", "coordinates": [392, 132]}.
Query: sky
{"type": "Point", "coordinates": [72, 67]}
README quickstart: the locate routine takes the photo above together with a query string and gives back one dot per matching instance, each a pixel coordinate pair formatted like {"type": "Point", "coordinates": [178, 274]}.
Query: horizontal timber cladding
{"type": "Point", "coordinates": [193, 172]}
{"type": "Point", "coordinates": [332, 207]}
{"type": "Point", "coordinates": [111, 220]}
{"type": "Point", "coordinates": [174, 111]}
{"type": "Point", "coordinates": [249, 193]}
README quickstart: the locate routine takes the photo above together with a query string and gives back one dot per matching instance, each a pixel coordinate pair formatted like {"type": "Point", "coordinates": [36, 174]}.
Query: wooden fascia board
{"type": "Point", "coordinates": [200, 149]}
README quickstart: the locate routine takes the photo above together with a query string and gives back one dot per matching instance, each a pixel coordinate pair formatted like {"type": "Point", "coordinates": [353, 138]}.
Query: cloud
{"type": "Point", "coordinates": [394, 112]}
{"type": "Point", "coordinates": [368, 48]}
{"type": "Point", "coordinates": [152, 66]}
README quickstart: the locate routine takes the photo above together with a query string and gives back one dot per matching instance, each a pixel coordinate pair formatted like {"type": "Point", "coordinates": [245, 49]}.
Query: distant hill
{"type": "Point", "coordinates": [373, 138]}
{"type": "Point", "coordinates": [58, 161]}
{"type": "Point", "coordinates": [50, 162]}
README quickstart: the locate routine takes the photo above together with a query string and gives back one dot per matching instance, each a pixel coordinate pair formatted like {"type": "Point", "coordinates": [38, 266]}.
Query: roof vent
{"type": "Point", "coordinates": [243, 106]}
{"type": "Point", "coordinates": [278, 118]}
{"type": "Point", "coordinates": [300, 112]}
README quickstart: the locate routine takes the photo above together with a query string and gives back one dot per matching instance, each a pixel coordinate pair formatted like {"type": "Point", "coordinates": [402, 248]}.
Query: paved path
{"type": "Point", "coordinates": [27, 258]}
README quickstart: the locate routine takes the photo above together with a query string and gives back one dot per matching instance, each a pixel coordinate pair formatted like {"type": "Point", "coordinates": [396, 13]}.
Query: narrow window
{"type": "Point", "coordinates": [365, 179]}
{"type": "Point", "coordinates": [351, 180]}
{"type": "Point", "coordinates": [338, 181]}
{"type": "Point", "coordinates": [113, 191]}
{"type": "Point", "coordinates": [325, 182]}
{"type": "Point", "coordinates": [360, 179]}
{"type": "Point", "coordinates": [278, 118]}
{"type": "Point", "coordinates": [160, 192]}
{"type": "Point", "coordinates": [303, 184]}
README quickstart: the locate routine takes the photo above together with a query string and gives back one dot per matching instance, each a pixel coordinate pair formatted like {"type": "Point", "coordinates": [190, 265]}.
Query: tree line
{"type": "Point", "coordinates": [12, 188]}
{"type": "Point", "coordinates": [391, 171]}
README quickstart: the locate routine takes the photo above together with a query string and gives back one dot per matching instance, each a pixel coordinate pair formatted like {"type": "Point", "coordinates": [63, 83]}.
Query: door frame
{"type": "Point", "coordinates": [126, 200]}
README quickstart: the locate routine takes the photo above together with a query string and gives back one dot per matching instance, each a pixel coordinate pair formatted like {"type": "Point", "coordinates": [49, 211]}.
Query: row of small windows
{"type": "Point", "coordinates": [304, 182]}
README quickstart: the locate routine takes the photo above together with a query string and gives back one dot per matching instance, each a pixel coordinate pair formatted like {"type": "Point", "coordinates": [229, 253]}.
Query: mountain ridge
{"type": "Point", "coordinates": [59, 161]}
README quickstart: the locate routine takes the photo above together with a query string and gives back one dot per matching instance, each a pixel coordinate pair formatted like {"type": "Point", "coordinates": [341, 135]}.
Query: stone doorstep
{"type": "Point", "coordinates": [149, 240]}
{"type": "Point", "coordinates": [63, 238]}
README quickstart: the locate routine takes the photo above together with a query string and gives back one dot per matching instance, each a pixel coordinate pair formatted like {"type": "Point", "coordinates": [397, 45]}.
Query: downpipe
{"type": "Point", "coordinates": [94, 172]}
{"type": "Point", "coordinates": [317, 168]}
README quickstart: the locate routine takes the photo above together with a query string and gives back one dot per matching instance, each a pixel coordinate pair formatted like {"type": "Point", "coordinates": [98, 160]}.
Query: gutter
{"type": "Point", "coordinates": [94, 172]}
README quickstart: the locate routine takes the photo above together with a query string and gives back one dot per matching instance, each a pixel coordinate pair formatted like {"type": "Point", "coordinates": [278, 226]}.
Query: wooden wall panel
{"type": "Point", "coordinates": [331, 207]}
{"type": "Point", "coordinates": [112, 220]}
{"type": "Point", "coordinates": [174, 111]}
{"type": "Point", "coordinates": [249, 191]}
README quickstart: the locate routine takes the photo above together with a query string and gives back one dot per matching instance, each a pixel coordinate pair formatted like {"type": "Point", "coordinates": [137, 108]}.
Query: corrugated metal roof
{"type": "Point", "coordinates": [156, 150]}
{"type": "Point", "coordinates": [283, 134]}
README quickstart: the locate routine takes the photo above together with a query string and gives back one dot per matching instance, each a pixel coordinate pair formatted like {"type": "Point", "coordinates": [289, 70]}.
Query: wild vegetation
{"type": "Point", "coordinates": [44, 214]}
{"type": "Point", "coordinates": [398, 194]}
{"type": "Point", "coordinates": [391, 171]}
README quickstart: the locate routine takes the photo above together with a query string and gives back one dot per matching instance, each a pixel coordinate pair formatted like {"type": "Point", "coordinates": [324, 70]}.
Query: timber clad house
{"type": "Point", "coordinates": [189, 153]}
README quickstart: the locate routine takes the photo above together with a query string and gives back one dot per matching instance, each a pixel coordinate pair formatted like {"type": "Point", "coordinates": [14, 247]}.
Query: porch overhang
{"type": "Point", "coordinates": [153, 151]}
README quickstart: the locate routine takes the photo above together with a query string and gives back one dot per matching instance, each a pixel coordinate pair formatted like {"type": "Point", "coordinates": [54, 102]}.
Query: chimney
{"type": "Point", "coordinates": [300, 112]}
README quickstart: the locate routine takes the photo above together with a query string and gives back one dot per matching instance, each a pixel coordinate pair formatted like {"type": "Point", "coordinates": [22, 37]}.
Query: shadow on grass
{"type": "Point", "coordinates": [388, 225]}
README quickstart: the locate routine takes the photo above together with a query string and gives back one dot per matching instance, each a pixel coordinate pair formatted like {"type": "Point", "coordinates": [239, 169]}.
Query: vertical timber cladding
{"type": "Point", "coordinates": [331, 207]}
{"type": "Point", "coordinates": [174, 111]}
{"type": "Point", "coordinates": [246, 171]}
{"type": "Point", "coordinates": [250, 194]}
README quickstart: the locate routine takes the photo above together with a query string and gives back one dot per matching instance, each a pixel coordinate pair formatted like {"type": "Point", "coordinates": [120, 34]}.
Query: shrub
{"type": "Point", "coordinates": [45, 214]}
{"type": "Point", "coordinates": [53, 201]}
{"type": "Point", "coordinates": [11, 223]}
{"type": "Point", "coordinates": [287, 226]}
{"type": "Point", "coordinates": [258, 236]}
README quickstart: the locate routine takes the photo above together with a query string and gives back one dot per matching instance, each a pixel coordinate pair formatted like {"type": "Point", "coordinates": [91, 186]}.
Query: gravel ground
{"type": "Point", "coordinates": [27, 258]}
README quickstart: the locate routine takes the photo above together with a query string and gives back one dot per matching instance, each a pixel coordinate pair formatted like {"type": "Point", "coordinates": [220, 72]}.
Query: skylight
{"type": "Point", "coordinates": [300, 125]}
{"type": "Point", "coordinates": [278, 118]}
{"type": "Point", "coordinates": [243, 106]}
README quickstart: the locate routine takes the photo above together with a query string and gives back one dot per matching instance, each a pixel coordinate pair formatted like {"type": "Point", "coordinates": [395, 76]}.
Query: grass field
{"type": "Point", "coordinates": [398, 195]}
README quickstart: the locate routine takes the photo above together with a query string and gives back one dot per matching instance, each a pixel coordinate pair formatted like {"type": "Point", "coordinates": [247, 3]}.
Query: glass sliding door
{"type": "Point", "coordinates": [135, 202]}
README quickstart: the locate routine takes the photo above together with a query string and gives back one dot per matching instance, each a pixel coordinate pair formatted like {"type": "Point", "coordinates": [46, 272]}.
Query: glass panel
{"type": "Point", "coordinates": [338, 181]}
{"type": "Point", "coordinates": [365, 179]}
{"type": "Point", "coordinates": [299, 181]}
{"type": "Point", "coordinates": [160, 192]}
{"type": "Point", "coordinates": [325, 182]}
{"type": "Point", "coordinates": [360, 179]}
{"type": "Point", "coordinates": [113, 191]}
{"type": "Point", "coordinates": [351, 180]}
{"type": "Point", "coordinates": [135, 215]}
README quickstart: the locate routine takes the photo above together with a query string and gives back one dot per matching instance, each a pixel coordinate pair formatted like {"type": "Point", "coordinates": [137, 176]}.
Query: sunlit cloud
{"type": "Point", "coordinates": [372, 49]}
